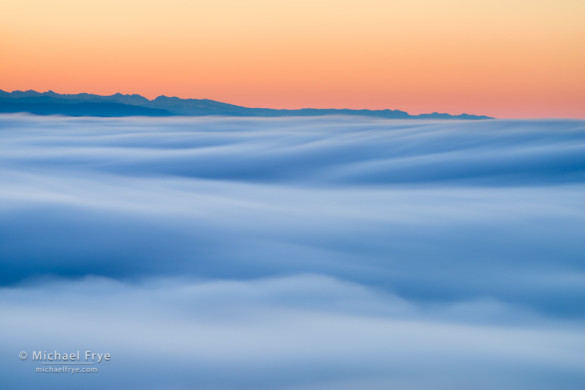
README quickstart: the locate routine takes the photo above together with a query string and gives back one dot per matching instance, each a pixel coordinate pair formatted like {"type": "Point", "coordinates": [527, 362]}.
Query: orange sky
{"type": "Point", "coordinates": [512, 58]}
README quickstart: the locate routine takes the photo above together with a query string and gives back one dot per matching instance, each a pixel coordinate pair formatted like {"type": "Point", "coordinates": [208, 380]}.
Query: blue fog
{"type": "Point", "coordinates": [294, 253]}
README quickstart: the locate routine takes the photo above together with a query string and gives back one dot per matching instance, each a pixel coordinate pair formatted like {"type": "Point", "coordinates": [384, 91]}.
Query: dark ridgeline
{"type": "Point", "coordinates": [84, 104]}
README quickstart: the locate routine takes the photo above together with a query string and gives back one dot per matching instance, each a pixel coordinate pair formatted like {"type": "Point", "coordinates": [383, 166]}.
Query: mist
{"type": "Point", "coordinates": [295, 253]}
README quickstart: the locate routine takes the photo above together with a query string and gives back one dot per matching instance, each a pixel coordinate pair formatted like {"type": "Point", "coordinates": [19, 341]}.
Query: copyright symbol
{"type": "Point", "coordinates": [23, 355]}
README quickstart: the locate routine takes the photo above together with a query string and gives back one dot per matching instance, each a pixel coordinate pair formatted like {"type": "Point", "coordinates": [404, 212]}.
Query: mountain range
{"type": "Point", "coordinates": [85, 104]}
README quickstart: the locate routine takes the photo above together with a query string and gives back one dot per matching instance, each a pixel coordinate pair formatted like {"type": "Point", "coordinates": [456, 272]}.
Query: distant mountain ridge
{"type": "Point", "coordinates": [85, 104]}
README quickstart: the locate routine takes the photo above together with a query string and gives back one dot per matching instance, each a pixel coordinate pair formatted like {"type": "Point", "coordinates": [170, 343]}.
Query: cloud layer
{"type": "Point", "coordinates": [296, 252]}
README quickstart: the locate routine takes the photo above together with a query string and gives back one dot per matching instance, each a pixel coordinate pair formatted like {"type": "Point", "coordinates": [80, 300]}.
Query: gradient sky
{"type": "Point", "coordinates": [505, 58]}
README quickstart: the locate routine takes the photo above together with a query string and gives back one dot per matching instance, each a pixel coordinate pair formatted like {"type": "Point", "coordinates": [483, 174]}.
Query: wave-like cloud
{"type": "Point", "coordinates": [312, 252]}
{"type": "Point", "coordinates": [293, 333]}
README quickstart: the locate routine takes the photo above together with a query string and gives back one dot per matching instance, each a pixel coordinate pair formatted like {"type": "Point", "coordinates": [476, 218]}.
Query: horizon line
{"type": "Point", "coordinates": [50, 91]}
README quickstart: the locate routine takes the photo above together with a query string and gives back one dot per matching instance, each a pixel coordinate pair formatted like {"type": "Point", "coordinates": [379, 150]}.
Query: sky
{"type": "Point", "coordinates": [294, 253]}
{"type": "Point", "coordinates": [503, 58]}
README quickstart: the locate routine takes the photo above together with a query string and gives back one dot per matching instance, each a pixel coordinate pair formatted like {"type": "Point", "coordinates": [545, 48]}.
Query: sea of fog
{"type": "Point", "coordinates": [293, 253]}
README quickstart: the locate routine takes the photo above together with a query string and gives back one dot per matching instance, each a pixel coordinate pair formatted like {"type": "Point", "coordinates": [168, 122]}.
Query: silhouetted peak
{"type": "Point", "coordinates": [28, 93]}
{"type": "Point", "coordinates": [167, 99]}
